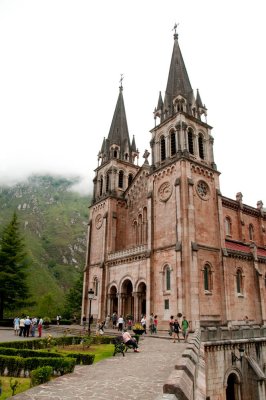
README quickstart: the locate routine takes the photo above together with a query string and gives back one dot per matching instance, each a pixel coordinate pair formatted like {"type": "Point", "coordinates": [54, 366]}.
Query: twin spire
{"type": "Point", "coordinates": [179, 97]}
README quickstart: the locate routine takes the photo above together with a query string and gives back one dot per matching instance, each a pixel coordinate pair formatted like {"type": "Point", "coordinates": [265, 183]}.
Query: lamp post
{"type": "Point", "coordinates": [90, 297]}
{"type": "Point", "coordinates": [241, 350]}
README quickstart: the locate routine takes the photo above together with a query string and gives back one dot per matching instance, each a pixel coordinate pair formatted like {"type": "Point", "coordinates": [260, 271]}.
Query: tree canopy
{"type": "Point", "coordinates": [13, 264]}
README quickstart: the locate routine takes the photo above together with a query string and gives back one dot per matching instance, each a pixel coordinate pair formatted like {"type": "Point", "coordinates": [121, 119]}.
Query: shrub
{"type": "Point", "coordinates": [41, 375]}
{"type": "Point", "coordinates": [81, 358]}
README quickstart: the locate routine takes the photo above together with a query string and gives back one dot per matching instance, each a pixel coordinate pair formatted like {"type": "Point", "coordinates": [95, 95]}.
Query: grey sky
{"type": "Point", "coordinates": [60, 65]}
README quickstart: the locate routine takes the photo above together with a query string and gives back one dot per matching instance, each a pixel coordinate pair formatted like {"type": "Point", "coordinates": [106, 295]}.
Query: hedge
{"type": "Point", "coordinates": [41, 375]}
{"type": "Point", "coordinates": [81, 358]}
{"type": "Point", "coordinates": [13, 366]}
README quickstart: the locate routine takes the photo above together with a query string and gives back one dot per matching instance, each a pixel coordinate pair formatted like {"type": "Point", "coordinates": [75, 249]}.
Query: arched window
{"type": "Point", "coordinates": [163, 153]}
{"type": "Point", "coordinates": [190, 142]}
{"type": "Point", "coordinates": [207, 278]}
{"type": "Point", "coordinates": [101, 186]}
{"type": "Point", "coordinates": [239, 281]}
{"type": "Point", "coordinates": [96, 286]}
{"type": "Point", "coordinates": [107, 183]}
{"type": "Point", "coordinates": [121, 179]}
{"type": "Point", "coordinates": [126, 156]}
{"type": "Point", "coordinates": [201, 146]}
{"type": "Point", "coordinates": [173, 143]}
{"type": "Point", "coordinates": [140, 238]}
{"type": "Point", "coordinates": [251, 232]}
{"type": "Point", "coordinates": [135, 228]}
{"type": "Point", "coordinates": [130, 179]}
{"type": "Point", "coordinates": [115, 153]}
{"type": "Point", "coordinates": [145, 226]}
{"type": "Point", "coordinates": [167, 277]}
{"type": "Point", "coordinates": [228, 226]}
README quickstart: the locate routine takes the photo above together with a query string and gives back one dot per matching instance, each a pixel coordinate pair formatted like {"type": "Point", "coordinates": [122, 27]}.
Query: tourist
{"type": "Point", "coordinates": [84, 321]}
{"type": "Point", "coordinates": [155, 324]}
{"type": "Point", "coordinates": [58, 317]}
{"type": "Point", "coordinates": [120, 323]}
{"type": "Point", "coordinates": [114, 320]}
{"type": "Point", "coordinates": [171, 325]}
{"type": "Point", "coordinates": [144, 323]}
{"type": "Point", "coordinates": [16, 326]}
{"type": "Point", "coordinates": [151, 323]}
{"type": "Point", "coordinates": [129, 341]}
{"type": "Point", "coordinates": [27, 324]}
{"type": "Point", "coordinates": [40, 327]}
{"type": "Point", "coordinates": [176, 329]}
{"type": "Point", "coordinates": [21, 326]}
{"type": "Point", "coordinates": [185, 326]}
{"type": "Point", "coordinates": [107, 321]}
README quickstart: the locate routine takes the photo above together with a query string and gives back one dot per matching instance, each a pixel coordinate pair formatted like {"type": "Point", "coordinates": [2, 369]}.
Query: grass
{"type": "Point", "coordinates": [24, 384]}
{"type": "Point", "coordinates": [101, 352]}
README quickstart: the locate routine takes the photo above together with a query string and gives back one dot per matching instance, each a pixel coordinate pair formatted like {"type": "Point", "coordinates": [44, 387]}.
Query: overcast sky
{"type": "Point", "coordinates": [60, 65]}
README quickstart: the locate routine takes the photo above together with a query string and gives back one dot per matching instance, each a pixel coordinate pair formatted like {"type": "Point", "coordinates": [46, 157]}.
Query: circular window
{"type": "Point", "coordinates": [98, 221]}
{"type": "Point", "coordinates": [165, 191]}
{"type": "Point", "coordinates": [203, 190]}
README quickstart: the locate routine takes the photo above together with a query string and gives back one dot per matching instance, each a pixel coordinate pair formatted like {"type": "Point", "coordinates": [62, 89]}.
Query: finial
{"type": "Point", "coordinates": [174, 28]}
{"type": "Point", "coordinates": [120, 81]}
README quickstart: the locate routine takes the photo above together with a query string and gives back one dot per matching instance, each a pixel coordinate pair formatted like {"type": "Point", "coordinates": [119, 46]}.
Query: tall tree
{"type": "Point", "coordinates": [74, 299]}
{"type": "Point", "coordinates": [13, 264]}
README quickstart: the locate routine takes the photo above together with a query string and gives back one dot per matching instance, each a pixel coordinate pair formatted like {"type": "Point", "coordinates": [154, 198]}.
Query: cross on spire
{"type": "Point", "coordinates": [121, 80]}
{"type": "Point", "coordinates": [174, 28]}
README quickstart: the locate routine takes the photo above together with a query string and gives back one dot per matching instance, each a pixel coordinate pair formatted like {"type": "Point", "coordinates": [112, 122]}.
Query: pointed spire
{"type": "Point", "coordinates": [178, 81]}
{"type": "Point", "coordinates": [198, 100]}
{"type": "Point", "coordinates": [160, 102]}
{"type": "Point", "coordinates": [118, 133]}
{"type": "Point", "coordinates": [133, 145]}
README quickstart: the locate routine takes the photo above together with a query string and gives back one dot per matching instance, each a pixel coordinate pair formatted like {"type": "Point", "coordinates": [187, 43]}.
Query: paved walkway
{"type": "Point", "coordinates": [135, 376]}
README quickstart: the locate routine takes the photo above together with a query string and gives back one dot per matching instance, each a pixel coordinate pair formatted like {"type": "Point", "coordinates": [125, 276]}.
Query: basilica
{"type": "Point", "coordinates": [161, 237]}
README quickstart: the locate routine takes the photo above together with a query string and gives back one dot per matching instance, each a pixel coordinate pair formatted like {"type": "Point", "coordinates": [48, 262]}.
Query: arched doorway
{"type": "Point", "coordinates": [127, 306]}
{"type": "Point", "coordinates": [113, 300]}
{"type": "Point", "coordinates": [233, 388]}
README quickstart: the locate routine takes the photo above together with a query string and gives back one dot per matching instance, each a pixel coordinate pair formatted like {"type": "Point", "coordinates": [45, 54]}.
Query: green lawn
{"type": "Point", "coordinates": [101, 352]}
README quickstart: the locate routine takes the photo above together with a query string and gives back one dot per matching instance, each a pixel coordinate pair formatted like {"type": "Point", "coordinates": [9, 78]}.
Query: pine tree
{"type": "Point", "coordinates": [13, 264]}
{"type": "Point", "coordinates": [74, 299]}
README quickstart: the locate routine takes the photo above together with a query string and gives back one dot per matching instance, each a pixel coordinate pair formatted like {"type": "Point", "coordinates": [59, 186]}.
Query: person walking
{"type": "Point", "coordinates": [151, 324]}
{"type": "Point", "coordinates": [185, 326]}
{"type": "Point", "coordinates": [176, 329]}
{"type": "Point", "coordinates": [114, 319]}
{"type": "Point", "coordinates": [143, 323]}
{"type": "Point", "coordinates": [171, 325]}
{"type": "Point", "coordinates": [120, 323]}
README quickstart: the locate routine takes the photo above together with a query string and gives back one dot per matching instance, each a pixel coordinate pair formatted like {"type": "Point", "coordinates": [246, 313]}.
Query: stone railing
{"type": "Point", "coordinates": [188, 381]}
{"type": "Point", "coordinates": [127, 252]}
{"type": "Point", "coordinates": [233, 333]}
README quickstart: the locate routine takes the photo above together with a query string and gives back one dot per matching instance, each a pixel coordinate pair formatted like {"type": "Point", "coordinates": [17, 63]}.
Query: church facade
{"type": "Point", "coordinates": [162, 238]}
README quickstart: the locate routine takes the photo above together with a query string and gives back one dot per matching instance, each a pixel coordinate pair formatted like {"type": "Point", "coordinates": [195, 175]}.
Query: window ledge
{"type": "Point", "coordinates": [207, 292]}
{"type": "Point", "coordinates": [240, 295]}
{"type": "Point", "coordinates": [166, 292]}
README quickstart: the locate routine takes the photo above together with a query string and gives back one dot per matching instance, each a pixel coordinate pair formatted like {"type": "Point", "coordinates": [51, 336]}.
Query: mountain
{"type": "Point", "coordinates": [53, 220]}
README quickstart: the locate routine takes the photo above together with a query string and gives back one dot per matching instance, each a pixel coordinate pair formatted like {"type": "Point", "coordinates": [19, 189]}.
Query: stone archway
{"type": "Point", "coordinates": [233, 387]}
{"type": "Point", "coordinates": [127, 300]}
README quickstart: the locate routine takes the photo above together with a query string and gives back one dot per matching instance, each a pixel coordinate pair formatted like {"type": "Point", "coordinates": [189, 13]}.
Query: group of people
{"type": "Point", "coordinates": [175, 328]}
{"type": "Point", "coordinates": [26, 326]}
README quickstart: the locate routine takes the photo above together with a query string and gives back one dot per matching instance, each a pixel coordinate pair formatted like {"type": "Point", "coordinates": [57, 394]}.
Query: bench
{"type": "Point", "coordinates": [120, 346]}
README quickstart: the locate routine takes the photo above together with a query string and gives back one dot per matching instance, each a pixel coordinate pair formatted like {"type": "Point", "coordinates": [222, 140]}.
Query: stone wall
{"type": "Point", "coordinates": [188, 381]}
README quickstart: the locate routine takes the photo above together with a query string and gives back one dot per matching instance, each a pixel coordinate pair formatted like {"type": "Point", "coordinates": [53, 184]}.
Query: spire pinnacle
{"type": "Point", "coordinates": [120, 81]}
{"type": "Point", "coordinates": [174, 28]}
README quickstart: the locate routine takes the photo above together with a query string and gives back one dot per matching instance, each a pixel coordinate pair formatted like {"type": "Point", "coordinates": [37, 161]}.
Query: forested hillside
{"type": "Point", "coordinates": [53, 220]}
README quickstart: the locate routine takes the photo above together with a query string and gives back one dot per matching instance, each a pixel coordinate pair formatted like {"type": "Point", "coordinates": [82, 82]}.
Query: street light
{"type": "Point", "coordinates": [90, 297]}
{"type": "Point", "coordinates": [241, 353]}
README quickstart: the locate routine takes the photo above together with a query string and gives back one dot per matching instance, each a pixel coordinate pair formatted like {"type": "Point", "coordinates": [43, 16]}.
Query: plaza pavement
{"type": "Point", "coordinates": [135, 376]}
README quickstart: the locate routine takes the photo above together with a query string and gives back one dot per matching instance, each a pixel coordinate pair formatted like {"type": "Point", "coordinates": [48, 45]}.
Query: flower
{"type": "Point", "coordinates": [137, 327]}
